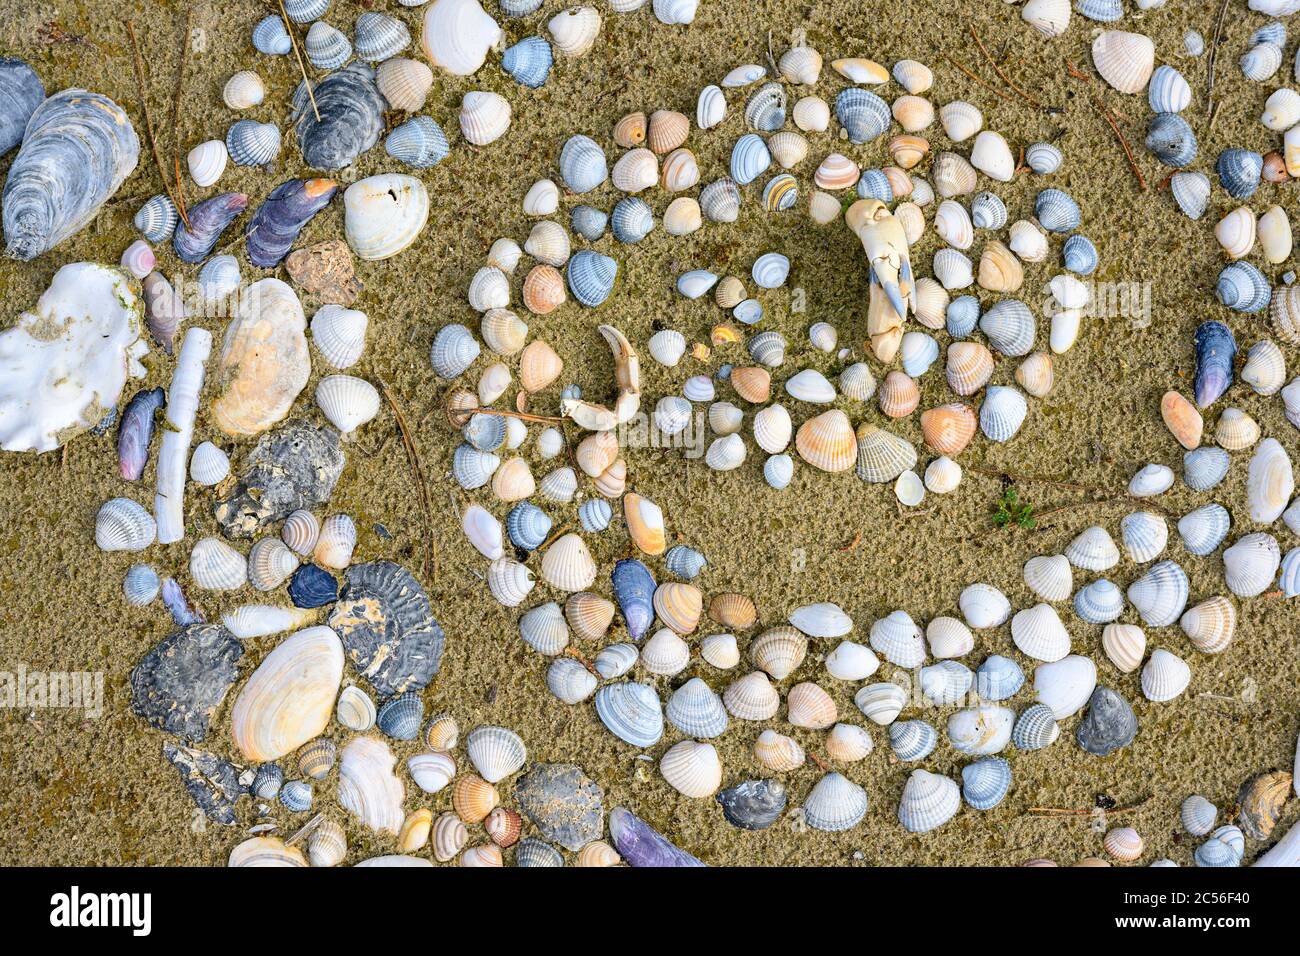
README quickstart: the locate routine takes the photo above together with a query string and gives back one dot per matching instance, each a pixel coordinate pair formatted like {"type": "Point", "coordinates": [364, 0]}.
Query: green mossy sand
{"type": "Point", "coordinates": [99, 792]}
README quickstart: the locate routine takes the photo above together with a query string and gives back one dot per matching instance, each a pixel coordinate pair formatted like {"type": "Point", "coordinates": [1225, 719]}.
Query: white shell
{"type": "Point", "coordinates": [1093, 550]}
{"type": "Point", "coordinates": [851, 661]}
{"type": "Point", "coordinates": [1124, 60]}
{"type": "Point", "coordinates": [574, 30]}
{"type": "Point", "coordinates": [1165, 676]}
{"type": "Point", "coordinates": [495, 752]}
{"type": "Point", "coordinates": [207, 162]}
{"type": "Point", "coordinates": [692, 768]}
{"type": "Point", "coordinates": [339, 334]}
{"type": "Point", "coordinates": [1065, 685]}
{"type": "Point", "coordinates": [216, 566]}
{"type": "Point", "coordinates": [542, 198]}
{"type": "Point", "coordinates": [484, 117]}
{"type": "Point", "coordinates": [243, 90]}
{"type": "Point", "coordinates": [458, 34]}
{"type": "Point", "coordinates": [347, 401]}
{"type": "Point", "coordinates": [1039, 633]}
{"type": "Point", "coordinates": [992, 156]}
{"type": "Point", "coordinates": [984, 606]}
{"type": "Point", "coordinates": [1050, 577]}
{"type": "Point", "coordinates": [710, 108]}
{"type": "Point", "coordinates": [209, 465]}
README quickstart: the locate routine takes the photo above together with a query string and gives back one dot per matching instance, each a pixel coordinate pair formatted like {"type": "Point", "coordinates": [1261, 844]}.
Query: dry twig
{"type": "Point", "coordinates": [417, 472]}
{"type": "Point", "coordinates": [148, 119]}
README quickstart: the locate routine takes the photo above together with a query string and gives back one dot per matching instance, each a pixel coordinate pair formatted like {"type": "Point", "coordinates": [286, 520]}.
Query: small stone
{"type": "Point", "coordinates": [754, 804]}
{"type": "Point", "coordinates": [566, 805]}
{"type": "Point", "coordinates": [179, 685]}
{"type": "Point", "coordinates": [1109, 724]}
{"type": "Point", "coordinates": [325, 270]}
{"type": "Point", "coordinates": [211, 782]}
{"type": "Point", "coordinates": [295, 466]}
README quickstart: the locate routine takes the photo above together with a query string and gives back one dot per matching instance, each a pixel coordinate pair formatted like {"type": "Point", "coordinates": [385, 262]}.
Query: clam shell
{"type": "Point", "coordinates": [288, 700]}
{"type": "Point", "coordinates": [998, 678]}
{"type": "Point", "coordinates": [834, 804]}
{"type": "Point", "coordinates": [631, 712]}
{"type": "Point", "coordinates": [929, 800]}
{"type": "Point", "coordinates": [912, 740]}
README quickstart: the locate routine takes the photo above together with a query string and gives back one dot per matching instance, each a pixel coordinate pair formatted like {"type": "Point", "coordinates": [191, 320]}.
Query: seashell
{"type": "Point", "coordinates": [1265, 368]}
{"type": "Point", "coordinates": [214, 565]}
{"type": "Point", "coordinates": [683, 216]}
{"type": "Point", "coordinates": [874, 184]}
{"type": "Point", "coordinates": [379, 36]}
{"type": "Point", "coordinates": [857, 382]}
{"type": "Point", "coordinates": [1239, 172]}
{"type": "Point", "coordinates": [548, 242]}
{"type": "Point", "coordinates": [692, 769]}
{"type": "Point", "coordinates": [848, 743]}
{"type": "Point", "coordinates": [1043, 158]}
{"type": "Point", "coordinates": [489, 855]}
{"type": "Point", "coordinates": [574, 30]}
{"type": "Point", "coordinates": [1161, 594]}
{"type": "Point", "coordinates": [1198, 815]}
{"type": "Point", "coordinates": [457, 35]}
{"type": "Point", "coordinates": [347, 401]}
{"type": "Point", "coordinates": [1236, 232]}
{"type": "Point", "coordinates": [1144, 535]}
{"type": "Point", "coordinates": [952, 269]}
{"type": "Point", "coordinates": [1261, 61]}
{"type": "Point", "coordinates": [1009, 325]}
{"type": "Point", "coordinates": [1093, 550]}
{"type": "Point", "coordinates": [1182, 419]}
{"type": "Point", "coordinates": [780, 193]}
{"type": "Point", "coordinates": [811, 114]}
{"type": "Point", "coordinates": [356, 711]}
{"type": "Point", "coordinates": [897, 638]}
{"type": "Point", "coordinates": [778, 752]}
{"type": "Point", "coordinates": [881, 455]}
{"type": "Point", "coordinates": [1250, 564]}
{"type": "Point", "coordinates": [473, 468]}
{"type": "Point", "coordinates": [528, 62]}
{"type": "Point", "coordinates": [250, 143]}
{"type": "Point", "coordinates": [1236, 430]}
{"type": "Point", "coordinates": [495, 752]}
{"type": "Point", "coordinates": [1192, 193]}
{"type": "Point", "coordinates": [751, 697]}
{"type": "Point", "coordinates": [834, 804]}
{"type": "Point", "coordinates": [138, 259]}
{"type": "Point", "coordinates": [778, 471]}
{"type": "Point", "coordinates": [779, 651]}
{"type": "Point", "coordinates": [998, 678]}
{"type": "Point", "coordinates": [1269, 483]}
{"type": "Point", "coordinates": [1065, 685]}
{"type": "Point", "coordinates": [898, 395]}
{"type": "Point", "coordinates": [991, 155]}
{"type": "Point", "coordinates": [123, 525]}
{"type": "Point", "coordinates": [543, 629]}
{"type": "Point", "coordinates": [710, 108]}
{"type": "Point", "coordinates": [787, 148]}
{"type": "Point", "coordinates": [206, 162]}
{"type": "Point", "coordinates": [918, 352]}
{"type": "Point", "coordinates": [725, 418]}
{"type": "Point", "coordinates": [243, 90]}
{"type": "Point", "coordinates": [1124, 644]}
{"type": "Point", "coordinates": [1285, 314]}
{"type": "Point", "coordinates": [270, 563]}
{"type": "Point", "coordinates": [296, 796]}
{"type": "Point", "coordinates": [953, 224]}
{"type": "Point", "coordinates": [696, 710]}
{"type": "Point", "coordinates": [288, 699]}
{"type": "Point", "coordinates": [948, 428]}
{"type": "Point", "coordinates": [947, 683]}
{"type": "Point", "coordinates": [750, 158]}
{"type": "Point", "coordinates": [999, 270]}
{"type": "Point", "coordinates": [942, 475]}
{"type": "Point", "coordinates": [1002, 413]}
{"type": "Point", "coordinates": [300, 532]}
{"type": "Point", "coordinates": [316, 758]}
{"type": "Point", "coordinates": [863, 115]}
{"type": "Point", "coordinates": [953, 175]}
{"type": "Point", "coordinates": [1049, 577]}
{"type": "Point", "coordinates": [1210, 625]}
{"type": "Point", "coordinates": [1098, 602]}
{"type": "Point", "coordinates": [1124, 60]}
{"type": "Point", "coordinates": [588, 222]}
{"type": "Point", "coordinates": [383, 215]}
{"type": "Point", "coordinates": [1079, 255]}
{"type": "Point", "coordinates": [929, 800]}
{"type": "Point", "coordinates": [1165, 676]}
{"type": "Point", "coordinates": [1039, 633]}
{"type": "Point", "coordinates": [473, 798]}
{"type": "Point", "coordinates": [1281, 110]}
{"type": "Point", "coordinates": [339, 334]}
{"type": "Point", "coordinates": [532, 852]}
{"type": "Point", "coordinates": [636, 170]}
{"type": "Point", "coordinates": [1262, 800]}
{"type": "Point", "coordinates": [1124, 844]}
{"type": "Point", "coordinates": [765, 110]}
{"type": "Point", "coordinates": [326, 47]}
{"type": "Point", "coordinates": [569, 681]}
{"type": "Point", "coordinates": [400, 717]}
{"type": "Point", "coordinates": [591, 275]}
{"type": "Point", "coordinates": [141, 585]}
{"type": "Point", "coordinates": [913, 113]}
{"type": "Point", "coordinates": [912, 739]}
{"type": "Point", "coordinates": [960, 120]}
{"type": "Point", "coordinates": [1225, 847]}
{"type": "Point", "coordinates": [270, 36]}
{"type": "Point", "coordinates": [1204, 468]}
{"type": "Point", "coordinates": [827, 442]}
{"type": "Point", "coordinates": [419, 142]}
{"type": "Point", "coordinates": [881, 703]}
{"type": "Point", "coordinates": [720, 199]}
{"type": "Point", "coordinates": [631, 712]}
{"type": "Point", "coordinates": [1204, 528]}
{"type": "Point", "coordinates": [404, 83]}
{"type": "Point", "coordinates": [484, 117]}
{"type": "Point", "coordinates": [985, 782]}
{"type": "Point", "coordinates": [810, 386]}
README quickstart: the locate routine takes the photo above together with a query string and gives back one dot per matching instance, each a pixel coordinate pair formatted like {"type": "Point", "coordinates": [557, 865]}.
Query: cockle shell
{"type": "Point", "coordinates": [1203, 529]}
{"type": "Point", "coordinates": [1124, 645]}
{"type": "Point", "coordinates": [834, 804]}
{"type": "Point", "coordinates": [457, 35]}
{"type": "Point", "coordinates": [1049, 577]}
{"type": "Point", "coordinates": [929, 800]}
{"type": "Point", "coordinates": [574, 30]}
{"type": "Point", "coordinates": [368, 788]}
{"type": "Point", "coordinates": [1049, 17]}
{"type": "Point", "coordinates": [379, 36]}
{"type": "Point", "coordinates": [692, 769]}
{"type": "Point", "coordinates": [1165, 676]}
{"type": "Point", "coordinates": [1250, 564]}
{"type": "Point", "coordinates": [1270, 482]}
{"type": "Point", "coordinates": [1210, 625]}
{"type": "Point", "coordinates": [1161, 594]}
{"type": "Point", "coordinates": [568, 565]}
{"type": "Point", "coordinates": [752, 697]}
{"type": "Point", "coordinates": [1093, 550]}
{"type": "Point", "coordinates": [631, 712]}
{"type": "Point", "coordinates": [1124, 60]}
{"type": "Point", "coordinates": [484, 117]}
{"type": "Point", "coordinates": [1065, 685]}
{"type": "Point", "coordinates": [404, 83]}
{"type": "Point", "coordinates": [984, 606]}
{"type": "Point", "coordinates": [384, 214]}
{"type": "Point", "coordinates": [1039, 633]}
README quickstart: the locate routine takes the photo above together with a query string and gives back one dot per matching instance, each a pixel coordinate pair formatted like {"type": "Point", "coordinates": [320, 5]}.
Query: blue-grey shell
{"type": "Point", "coordinates": [720, 200]}
{"type": "Point", "coordinates": [684, 561]}
{"type": "Point", "coordinates": [1167, 582]}
{"type": "Point", "coordinates": [588, 222]}
{"type": "Point", "coordinates": [1203, 529]}
{"type": "Point", "coordinates": [400, 718]}
{"type": "Point", "coordinates": [749, 158]}
{"type": "Point", "coordinates": [639, 844]}
{"type": "Point", "coordinates": [765, 110]}
{"type": "Point", "coordinates": [1108, 725]}
{"type": "Point", "coordinates": [590, 276]}
{"type": "Point", "coordinates": [527, 525]}
{"type": "Point", "coordinates": [529, 61]}
{"type": "Point", "coordinates": [1043, 158]}
{"type": "Point", "coordinates": [988, 211]}
{"type": "Point", "coordinates": [296, 796]}
{"type": "Point", "coordinates": [183, 613]}
{"type": "Point", "coordinates": [985, 782]}
{"type": "Point", "coordinates": [378, 36]}
{"type": "Point", "coordinates": [1035, 728]}
{"type": "Point", "coordinates": [1216, 350]}
{"type": "Point", "coordinates": [1079, 255]}
{"type": "Point", "coordinates": [275, 226]}
{"type": "Point", "coordinates": [77, 149]}
{"type": "Point", "coordinates": [454, 350]}
{"type": "Point", "coordinates": [595, 514]}
{"type": "Point", "coordinates": [1010, 327]}
{"type": "Point", "coordinates": [472, 468]}
{"type": "Point", "coordinates": [21, 91]}
{"type": "Point", "coordinates": [251, 143]}
{"type": "Point", "coordinates": [1243, 288]}
{"type": "Point", "coordinates": [326, 47]}
{"type": "Point", "coordinates": [1171, 140]}
{"type": "Point", "coordinates": [912, 739]}
{"type": "Point", "coordinates": [1288, 580]}
{"type": "Point", "coordinates": [631, 712]}
{"type": "Point", "coordinates": [208, 220]}
{"type": "Point", "coordinates": [305, 11]}
{"type": "Point", "coordinates": [632, 220]}
{"type": "Point", "coordinates": [267, 781]}
{"type": "Point", "coordinates": [419, 142]}
{"type": "Point", "coordinates": [485, 432]}
{"type": "Point", "coordinates": [135, 430]}
{"type": "Point", "coordinates": [351, 117]}
{"type": "Point", "coordinates": [1056, 210]}
{"type": "Point", "coordinates": [1098, 602]}
{"type": "Point", "coordinates": [634, 588]}
{"type": "Point", "coordinates": [1205, 467]}
{"type": "Point", "coordinates": [313, 586]}
{"type": "Point", "coordinates": [998, 678]}
{"type": "Point", "coordinates": [863, 114]}
{"type": "Point", "coordinates": [157, 218]}
{"type": "Point", "coordinates": [582, 164]}
{"type": "Point", "coordinates": [1102, 11]}
{"type": "Point", "coordinates": [270, 36]}
{"type": "Point", "coordinates": [519, 8]}
{"type": "Point", "coordinates": [874, 184]}
{"type": "Point", "coordinates": [532, 852]}
{"type": "Point", "coordinates": [1272, 32]}
{"type": "Point", "coordinates": [141, 585]}
{"type": "Point", "coordinates": [1239, 171]}
{"type": "Point", "coordinates": [962, 315]}
{"type": "Point", "coordinates": [753, 804]}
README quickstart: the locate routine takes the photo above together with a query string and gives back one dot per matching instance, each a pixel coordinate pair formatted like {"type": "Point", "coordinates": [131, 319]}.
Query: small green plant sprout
{"type": "Point", "coordinates": [1011, 510]}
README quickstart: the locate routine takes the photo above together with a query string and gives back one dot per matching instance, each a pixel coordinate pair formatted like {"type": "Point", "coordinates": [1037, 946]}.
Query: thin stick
{"type": "Point", "coordinates": [564, 529]}
{"type": "Point", "coordinates": [571, 651]}
{"type": "Point", "coordinates": [1073, 70]}
{"type": "Point", "coordinates": [523, 416]}
{"type": "Point", "coordinates": [1142, 182]}
{"type": "Point", "coordinates": [293, 40]}
{"type": "Point", "coordinates": [1213, 60]}
{"type": "Point", "coordinates": [982, 82]}
{"type": "Point", "coordinates": [148, 117]}
{"type": "Point", "coordinates": [998, 70]}
{"type": "Point", "coordinates": [852, 544]}
{"type": "Point", "coordinates": [413, 455]}
{"type": "Point", "coordinates": [176, 114]}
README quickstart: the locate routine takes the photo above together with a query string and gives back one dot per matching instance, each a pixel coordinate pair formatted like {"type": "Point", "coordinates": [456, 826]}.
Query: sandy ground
{"type": "Point", "coordinates": [99, 792]}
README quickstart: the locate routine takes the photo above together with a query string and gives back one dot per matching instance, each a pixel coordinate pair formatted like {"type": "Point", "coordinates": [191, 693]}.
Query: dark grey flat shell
{"type": "Point", "coordinates": [754, 804]}
{"type": "Point", "coordinates": [386, 624]}
{"type": "Point", "coordinates": [178, 685]}
{"type": "Point", "coordinates": [1108, 725]}
{"type": "Point", "coordinates": [21, 91]}
{"type": "Point", "coordinates": [212, 783]}
{"type": "Point", "coordinates": [566, 805]}
{"type": "Point", "coordinates": [642, 845]}
{"type": "Point", "coordinates": [351, 117]}
{"type": "Point", "coordinates": [294, 466]}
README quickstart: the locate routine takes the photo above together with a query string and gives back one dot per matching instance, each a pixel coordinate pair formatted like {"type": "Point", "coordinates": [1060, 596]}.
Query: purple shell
{"type": "Point", "coordinates": [634, 589]}
{"type": "Point", "coordinates": [642, 845]}
{"type": "Point", "coordinates": [164, 309]}
{"type": "Point", "coordinates": [208, 220]}
{"type": "Point", "coordinates": [282, 215]}
{"type": "Point", "coordinates": [135, 430]}
{"type": "Point", "coordinates": [182, 612]}
{"type": "Point", "coordinates": [1215, 351]}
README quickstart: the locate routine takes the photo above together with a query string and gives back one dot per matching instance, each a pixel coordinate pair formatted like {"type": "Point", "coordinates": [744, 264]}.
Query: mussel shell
{"type": "Point", "coordinates": [753, 804]}
{"type": "Point", "coordinates": [208, 220]}
{"type": "Point", "coordinates": [275, 226]}
{"type": "Point", "coordinates": [351, 112]}
{"type": "Point", "coordinates": [21, 91]}
{"type": "Point", "coordinates": [1216, 351]}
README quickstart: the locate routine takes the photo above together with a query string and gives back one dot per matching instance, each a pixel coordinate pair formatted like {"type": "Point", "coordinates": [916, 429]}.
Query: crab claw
{"type": "Point", "coordinates": [895, 296]}
{"type": "Point", "coordinates": [627, 376]}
